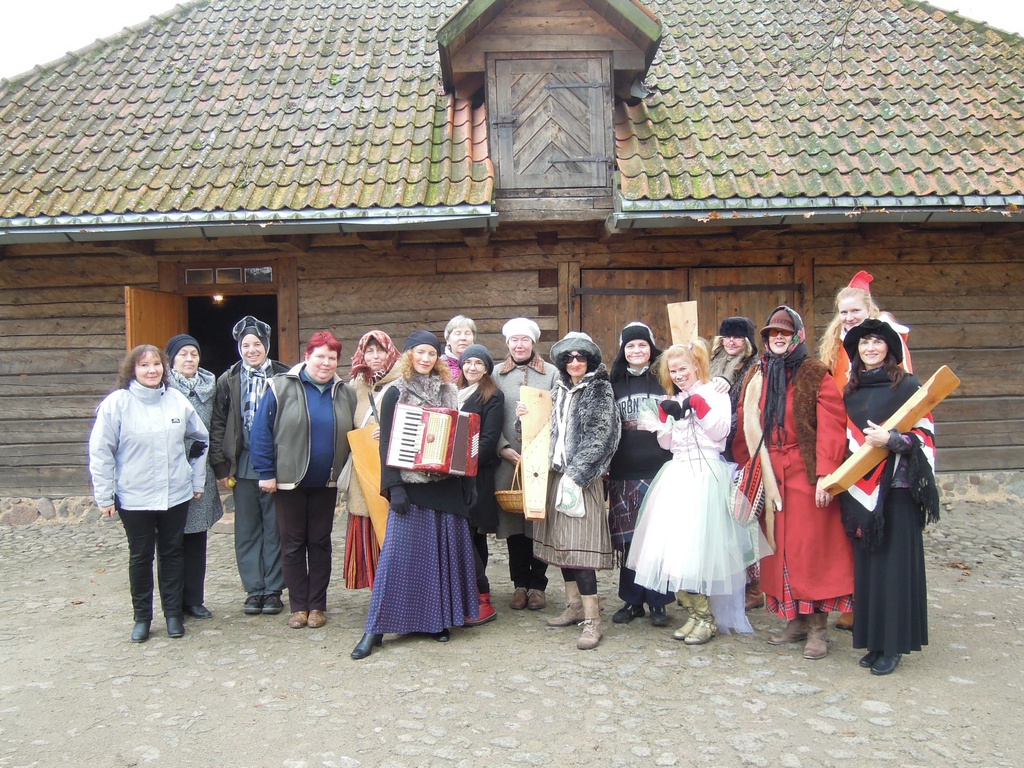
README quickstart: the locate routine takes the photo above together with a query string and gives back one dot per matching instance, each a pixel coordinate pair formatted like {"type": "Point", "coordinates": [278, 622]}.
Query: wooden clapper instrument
{"type": "Point", "coordinates": [536, 424]}
{"type": "Point", "coordinates": [867, 457]}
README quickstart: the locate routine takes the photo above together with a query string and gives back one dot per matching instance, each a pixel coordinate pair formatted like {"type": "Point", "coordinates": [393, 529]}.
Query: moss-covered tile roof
{"type": "Point", "coordinates": [227, 106]}
{"type": "Point", "coordinates": [768, 99]}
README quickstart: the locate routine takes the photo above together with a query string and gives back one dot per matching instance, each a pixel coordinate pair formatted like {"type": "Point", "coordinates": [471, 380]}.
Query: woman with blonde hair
{"type": "Point", "coordinates": [426, 576]}
{"type": "Point", "coordinates": [686, 541]}
{"type": "Point", "coordinates": [854, 304]}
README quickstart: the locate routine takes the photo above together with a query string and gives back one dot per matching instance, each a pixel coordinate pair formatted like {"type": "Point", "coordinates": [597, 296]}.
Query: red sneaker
{"type": "Point", "coordinates": [487, 612]}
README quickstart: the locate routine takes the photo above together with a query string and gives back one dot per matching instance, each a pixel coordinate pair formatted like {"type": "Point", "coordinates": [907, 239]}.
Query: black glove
{"type": "Point", "coordinates": [469, 492]}
{"type": "Point", "coordinates": [685, 409]}
{"type": "Point", "coordinates": [399, 500]}
{"type": "Point", "coordinates": [196, 450]}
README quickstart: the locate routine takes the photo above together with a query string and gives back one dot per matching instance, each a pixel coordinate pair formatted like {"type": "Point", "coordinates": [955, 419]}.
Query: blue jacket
{"type": "Point", "coordinates": [300, 433]}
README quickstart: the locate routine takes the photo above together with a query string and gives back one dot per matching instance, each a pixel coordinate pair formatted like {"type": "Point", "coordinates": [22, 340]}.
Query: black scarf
{"type": "Point", "coordinates": [876, 399]}
{"type": "Point", "coordinates": [778, 371]}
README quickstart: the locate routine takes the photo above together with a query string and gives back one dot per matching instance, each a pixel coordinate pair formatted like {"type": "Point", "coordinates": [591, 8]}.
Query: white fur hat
{"type": "Point", "coordinates": [521, 326]}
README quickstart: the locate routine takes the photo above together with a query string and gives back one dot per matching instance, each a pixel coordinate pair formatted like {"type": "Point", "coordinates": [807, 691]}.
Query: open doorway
{"type": "Point", "coordinates": [210, 322]}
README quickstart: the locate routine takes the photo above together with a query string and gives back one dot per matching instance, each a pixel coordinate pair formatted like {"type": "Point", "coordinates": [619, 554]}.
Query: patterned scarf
{"type": "Point", "coordinates": [253, 384]}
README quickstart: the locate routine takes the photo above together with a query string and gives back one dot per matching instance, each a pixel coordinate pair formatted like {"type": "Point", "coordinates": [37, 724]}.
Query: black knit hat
{"type": "Point", "coordinates": [739, 328]}
{"type": "Point", "coordinates": [422, 337]}
{"type": "Point", "coordinates": [635, 331]}
{"type": "Point", "coordinates": [175, 344]}
{"type": "Point", "coordinates": [874, 327]}
{"type": "Point", "coordinates": [479, 351]}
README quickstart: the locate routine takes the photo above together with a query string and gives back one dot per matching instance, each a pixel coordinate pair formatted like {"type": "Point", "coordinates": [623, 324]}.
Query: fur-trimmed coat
{"type": "Point", "coordinates": [592, 429]}
{"type": "Point", "coordinates": [810, 542]}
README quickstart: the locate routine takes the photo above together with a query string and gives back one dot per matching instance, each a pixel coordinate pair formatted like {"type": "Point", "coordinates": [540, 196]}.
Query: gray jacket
{"type": "Point", "coordinates": [206, 510]}
{"type": "Point", "coordinates": [137, 449]}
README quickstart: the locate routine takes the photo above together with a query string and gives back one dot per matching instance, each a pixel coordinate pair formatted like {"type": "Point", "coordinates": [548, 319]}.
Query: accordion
{"type": "Point", "coordinates": [434, 440]}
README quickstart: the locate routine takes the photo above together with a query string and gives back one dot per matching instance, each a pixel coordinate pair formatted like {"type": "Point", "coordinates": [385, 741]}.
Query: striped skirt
{"type": "Point", "coordinates": [426, 575]}
{"type": "Point", "coordinates": [575, 542]}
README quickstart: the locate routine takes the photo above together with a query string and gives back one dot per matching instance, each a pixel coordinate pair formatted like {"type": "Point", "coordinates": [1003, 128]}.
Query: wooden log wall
{"type": "Point", "coordinates": [62, 337]}
{"type": "Point", "coordinates": [62, 313]}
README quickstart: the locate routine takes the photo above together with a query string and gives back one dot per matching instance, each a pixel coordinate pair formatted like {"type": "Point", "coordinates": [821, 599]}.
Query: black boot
{"type": "Point", "coordinates": [365, 646]}
{"type": "Point", "coordinates": [140, 632]}
{"type": "Point", "coordinates": [175, 627]}
{"type": "Point", "coordinates": [627, 613]}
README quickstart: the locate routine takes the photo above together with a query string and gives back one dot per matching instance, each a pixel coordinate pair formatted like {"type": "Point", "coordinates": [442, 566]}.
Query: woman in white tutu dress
{"type": "Point", "coordinates": [686, 540]}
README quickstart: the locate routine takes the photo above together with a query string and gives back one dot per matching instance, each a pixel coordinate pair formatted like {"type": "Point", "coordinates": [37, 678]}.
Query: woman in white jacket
{"type": "Point", "coordinates": [685, 540]}
{"type": "Point", "coordinates": [141, 470]}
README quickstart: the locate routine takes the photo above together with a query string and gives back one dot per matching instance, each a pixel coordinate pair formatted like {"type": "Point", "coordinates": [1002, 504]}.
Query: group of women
{"type": "Point", "coordinates": [662, 432]}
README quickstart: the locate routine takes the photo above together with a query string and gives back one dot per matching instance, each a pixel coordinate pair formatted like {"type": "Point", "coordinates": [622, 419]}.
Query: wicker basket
{"type": "Point", "coordinates": [512, 499]}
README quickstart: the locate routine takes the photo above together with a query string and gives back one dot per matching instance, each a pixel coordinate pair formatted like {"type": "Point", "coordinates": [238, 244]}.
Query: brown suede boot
{"type": "Point", "coordinates": [794, 632]}
{"type": "Point", "coordinates": [591, 623]}
{"type": "Point", "coordinates": [573, 613]}
{"type": "Point", "coordinates": [817, 637]}
{"type": "Point", "coordinates": [754, 595]}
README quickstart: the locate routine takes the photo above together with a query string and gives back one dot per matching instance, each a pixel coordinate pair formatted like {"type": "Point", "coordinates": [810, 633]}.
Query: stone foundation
{"type": "Point", "coordinates": [1005, 487]}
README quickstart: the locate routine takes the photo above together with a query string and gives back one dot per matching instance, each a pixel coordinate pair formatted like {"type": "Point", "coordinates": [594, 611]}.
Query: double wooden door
{"type": "Point", "coordinates": [611, 298]}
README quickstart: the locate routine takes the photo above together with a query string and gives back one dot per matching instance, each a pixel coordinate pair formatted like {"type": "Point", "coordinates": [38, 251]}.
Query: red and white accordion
{"type": "Point", "coordinates": [434, 440]}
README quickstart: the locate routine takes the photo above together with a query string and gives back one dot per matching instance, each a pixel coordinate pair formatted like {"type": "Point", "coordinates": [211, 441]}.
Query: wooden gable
{"type": "Point", "coordinates": [549, 72]}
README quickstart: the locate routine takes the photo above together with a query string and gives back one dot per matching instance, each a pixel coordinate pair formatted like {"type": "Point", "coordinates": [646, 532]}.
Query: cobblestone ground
{"type": "Point", "coordinates": [248, 691]}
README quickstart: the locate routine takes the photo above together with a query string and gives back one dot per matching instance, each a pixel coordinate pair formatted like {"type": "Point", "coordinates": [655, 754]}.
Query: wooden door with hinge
{"type": "Point", "coordinates": [610, 298]}
{"type": "Point", "coordinates": [153, 317]}
{"type": "Point", "coordinates": [551, 121]}
{"type": "Point", "coordinates": [753, 292]}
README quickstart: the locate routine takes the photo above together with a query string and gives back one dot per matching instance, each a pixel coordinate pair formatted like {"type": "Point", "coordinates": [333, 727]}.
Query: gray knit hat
{"type": "Point", "coordinates": [479, 351]}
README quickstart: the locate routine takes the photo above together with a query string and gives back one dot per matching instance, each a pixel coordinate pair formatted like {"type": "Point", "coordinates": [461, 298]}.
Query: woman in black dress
{"type": "Point", "coordinates": [886, 510]}
{"type": "Point", "coordinates": [479, 393]}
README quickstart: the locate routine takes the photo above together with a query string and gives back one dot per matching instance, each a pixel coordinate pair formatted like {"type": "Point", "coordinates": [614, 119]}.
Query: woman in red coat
{"type": "Point", "coordinates": [791, 402]}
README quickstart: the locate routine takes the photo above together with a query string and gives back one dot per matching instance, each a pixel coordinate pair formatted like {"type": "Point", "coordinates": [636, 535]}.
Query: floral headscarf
{"type": "Point", "coordinates": [391, 354]}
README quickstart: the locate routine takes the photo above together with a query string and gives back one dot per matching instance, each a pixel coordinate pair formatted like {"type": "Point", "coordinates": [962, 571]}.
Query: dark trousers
{"type": "Point", "coordinates": [586, 580]}
{"type": "Point", "coordinates": [305, 517]}
{"type": "Point", "coordinates": [635, 594]}
{"type": "Point", "coordinates": [525, 570]}
{"type": "Point", "coordinates": [480, 556]}
{"type": "Point", "coordinates": [161, 532]}
{"type": "Point", "coordinates": [195, 569]}
{"type": "Point", "coordinates": [257, 539]}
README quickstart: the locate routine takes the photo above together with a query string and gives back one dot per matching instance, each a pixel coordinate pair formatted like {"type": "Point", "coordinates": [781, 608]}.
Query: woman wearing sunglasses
{"type": "Point", "coordinates": [584, 434]}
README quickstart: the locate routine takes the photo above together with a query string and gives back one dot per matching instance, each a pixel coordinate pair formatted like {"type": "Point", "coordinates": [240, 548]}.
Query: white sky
{"type": "Point", "coordinates": [38, 31]}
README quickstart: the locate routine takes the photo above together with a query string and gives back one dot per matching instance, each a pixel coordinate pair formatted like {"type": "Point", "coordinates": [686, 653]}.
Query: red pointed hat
{"type": "Point", "coordinates": [862, 280]}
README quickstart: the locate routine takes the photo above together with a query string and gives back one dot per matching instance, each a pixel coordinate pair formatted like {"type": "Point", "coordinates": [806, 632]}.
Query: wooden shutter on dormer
{"type": "Point", "coordinates": [552, 119]}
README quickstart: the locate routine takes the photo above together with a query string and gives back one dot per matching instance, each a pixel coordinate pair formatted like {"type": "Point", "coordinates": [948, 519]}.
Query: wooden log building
{"type": "Point", "coordinates": [358, 165]}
